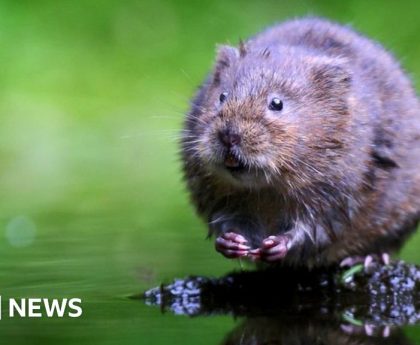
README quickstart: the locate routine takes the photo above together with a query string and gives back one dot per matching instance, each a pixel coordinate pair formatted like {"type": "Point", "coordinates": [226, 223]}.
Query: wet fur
{"type": "Point", "coordinates": [337, 170]}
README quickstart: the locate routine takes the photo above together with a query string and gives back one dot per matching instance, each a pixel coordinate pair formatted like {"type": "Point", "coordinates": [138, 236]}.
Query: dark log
{"type": "Point", "coordinates": [387, 295]}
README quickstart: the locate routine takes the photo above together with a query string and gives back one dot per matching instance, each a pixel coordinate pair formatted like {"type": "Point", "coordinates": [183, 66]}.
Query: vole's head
{"type": "Point", "coordinates": [270, 116]}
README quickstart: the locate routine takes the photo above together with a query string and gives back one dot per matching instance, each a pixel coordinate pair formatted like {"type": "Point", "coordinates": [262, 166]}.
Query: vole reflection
{"type": "Point", "coordinates": [272, 331]}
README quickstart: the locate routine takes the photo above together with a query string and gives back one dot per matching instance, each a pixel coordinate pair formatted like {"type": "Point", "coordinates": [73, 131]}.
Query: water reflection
{"type": "Point", "coordinates": [285, 306]}
{"type": "Point", "coordinates": [297, 331]}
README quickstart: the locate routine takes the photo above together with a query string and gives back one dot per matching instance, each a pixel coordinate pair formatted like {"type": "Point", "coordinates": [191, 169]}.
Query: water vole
{"type": "Point", "coordinates": [303, 147]}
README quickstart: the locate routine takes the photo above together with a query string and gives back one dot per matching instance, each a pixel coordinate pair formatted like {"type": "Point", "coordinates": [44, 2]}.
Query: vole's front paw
{"type": "Point", "coordinates": [232, 245]}
{"type": "Point", "coordinates": [274, 248]}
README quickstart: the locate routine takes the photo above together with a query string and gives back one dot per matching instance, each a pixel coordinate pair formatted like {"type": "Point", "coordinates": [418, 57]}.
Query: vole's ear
{"type": "Point", "coordinates": [332, 77]}
{"type": "Point", "coordinates": [226, 56]}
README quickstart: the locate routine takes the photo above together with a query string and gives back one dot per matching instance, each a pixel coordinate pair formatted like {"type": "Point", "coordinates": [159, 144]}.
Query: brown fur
{"type": "Point", "coordinates": [337, 168]}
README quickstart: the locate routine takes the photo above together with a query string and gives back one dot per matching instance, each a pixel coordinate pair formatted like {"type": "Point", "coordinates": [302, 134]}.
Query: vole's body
{"type": "Point", "coordinates": [331, 172]}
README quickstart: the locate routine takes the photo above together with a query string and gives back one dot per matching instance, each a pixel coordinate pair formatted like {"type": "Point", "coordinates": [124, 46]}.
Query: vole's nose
{"type": "Point", "coordinates": [229, 138]}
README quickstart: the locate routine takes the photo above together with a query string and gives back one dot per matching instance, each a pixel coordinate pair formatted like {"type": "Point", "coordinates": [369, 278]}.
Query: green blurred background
{"type": "Point", "coordinates": [92, 95]}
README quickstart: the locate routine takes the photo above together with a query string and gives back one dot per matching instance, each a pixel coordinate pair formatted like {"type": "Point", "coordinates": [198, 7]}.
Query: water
{"type": "Point", "coordinates": [103, 270]}
{"type": "Point", "coordinates": [91, 260]}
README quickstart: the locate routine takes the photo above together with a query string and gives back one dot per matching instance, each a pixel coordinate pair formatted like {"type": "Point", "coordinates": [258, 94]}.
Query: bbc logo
{"type": "Point", "coordinates": [42, 307]}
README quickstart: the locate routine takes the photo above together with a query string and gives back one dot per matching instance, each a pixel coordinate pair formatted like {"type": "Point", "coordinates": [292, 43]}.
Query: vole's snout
{"type": "Point", "coordinates": [229, 138]}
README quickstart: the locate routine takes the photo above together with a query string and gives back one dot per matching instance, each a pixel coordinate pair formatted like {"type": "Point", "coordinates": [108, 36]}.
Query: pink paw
{"type": "Point", "coordinates": [368, 261]}
{"type": "Point", "coordinates": [274, 248]}
{"type": "Point", "coordinates": [232, 245]}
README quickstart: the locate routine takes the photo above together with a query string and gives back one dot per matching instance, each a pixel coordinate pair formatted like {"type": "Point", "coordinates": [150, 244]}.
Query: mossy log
{"type": "Point", "coordinates": [387, 295]}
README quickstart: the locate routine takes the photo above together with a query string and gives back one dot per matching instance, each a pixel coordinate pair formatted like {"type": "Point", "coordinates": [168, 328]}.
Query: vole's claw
{"type": "Point", "coordinates": [368, 261]}
{"type": "Point", "coordinates": [255, 252]}
{"type": "Point", "coordinates": [254, 255]}
{"type": "Point", "coordinates": [372, 260]}
{"type": "Point", "coordinates": [386, 258]}
{"type": "Point", "coordinates": [274, 248]}
{"type": "Point", "coordinates": [234, 237]}
{"type": "Point", "coordinates": [368, 264]}
{"type": "Point", "coordinates": [232, 245]}
{"type": "Point", "coordinates": [351, 261]}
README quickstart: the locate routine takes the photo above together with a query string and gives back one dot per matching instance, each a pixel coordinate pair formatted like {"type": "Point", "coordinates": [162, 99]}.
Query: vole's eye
{"type": "Point", "coordinates": [276, 104]}
{"type": "Point", "coordinates": [223, 96]}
